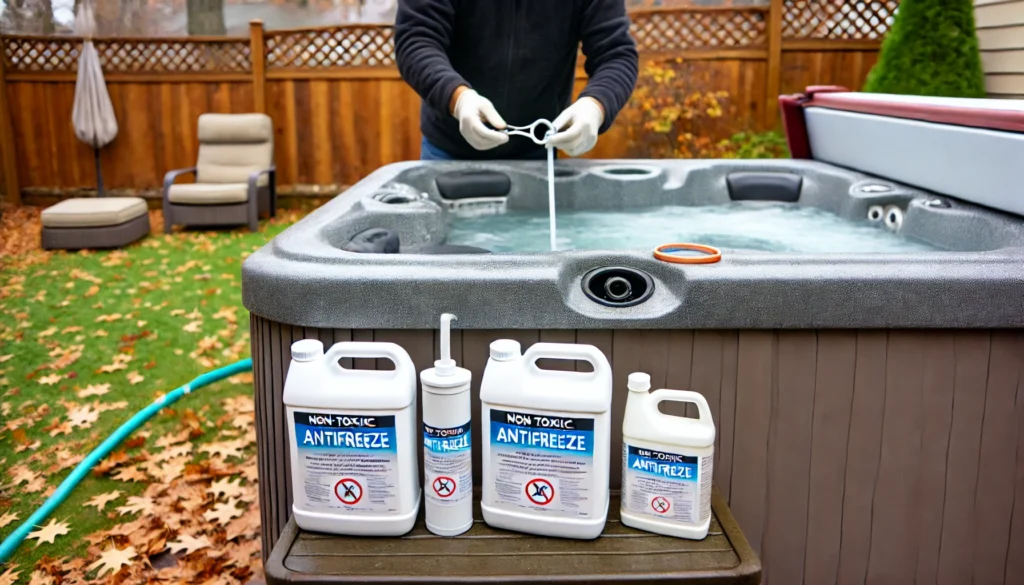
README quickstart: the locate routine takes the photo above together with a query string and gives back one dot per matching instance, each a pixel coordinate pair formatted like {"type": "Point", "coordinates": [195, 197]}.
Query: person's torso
{"type": "Point", "coordinates": [521, 55]}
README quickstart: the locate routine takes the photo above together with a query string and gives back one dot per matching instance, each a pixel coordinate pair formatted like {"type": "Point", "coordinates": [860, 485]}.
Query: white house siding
{"type": "Point", "coordinates": [1000, 25]}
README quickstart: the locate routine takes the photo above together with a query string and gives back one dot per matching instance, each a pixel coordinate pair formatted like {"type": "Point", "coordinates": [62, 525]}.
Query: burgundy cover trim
{"type": "Point", "coordinates": [793, 122]}
{"type": "Point", "coordinates": [1005, 120]}
{"type": "Point", "coordinates": [794, 125]}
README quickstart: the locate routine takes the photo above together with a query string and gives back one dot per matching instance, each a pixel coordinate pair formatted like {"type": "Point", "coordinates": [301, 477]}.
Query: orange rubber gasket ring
{"type": "Point", "coordinates": [713, 254]}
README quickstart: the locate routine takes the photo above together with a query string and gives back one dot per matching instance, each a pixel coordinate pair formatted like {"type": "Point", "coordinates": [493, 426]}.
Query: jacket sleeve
{"type": "Point", "coordinates": [423, 30]}
{"type": "Point", "coordinates": [612, 61]}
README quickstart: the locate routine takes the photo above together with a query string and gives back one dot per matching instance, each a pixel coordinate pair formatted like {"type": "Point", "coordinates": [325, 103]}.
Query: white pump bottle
{"type": "Point", "coordinates": [447, 443]}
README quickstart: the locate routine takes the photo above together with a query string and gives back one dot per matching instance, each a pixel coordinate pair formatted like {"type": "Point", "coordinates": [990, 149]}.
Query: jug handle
{"type": "Point", "coordinates": [659, 396]}
{"type": "Point", "coordinates": [370, 349]}
{"type": "Point", "coordinates": [567, 351]}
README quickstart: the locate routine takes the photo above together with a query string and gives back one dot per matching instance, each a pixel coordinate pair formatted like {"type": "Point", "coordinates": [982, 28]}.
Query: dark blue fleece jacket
{"type": "Point", "coordinates": [520, 54]}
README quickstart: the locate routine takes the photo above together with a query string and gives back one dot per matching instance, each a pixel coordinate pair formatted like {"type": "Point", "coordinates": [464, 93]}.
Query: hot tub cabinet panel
{"type": "Point", "coordinates": [866, 456]}
{"type": "Point", "coordinates": [867, 404]}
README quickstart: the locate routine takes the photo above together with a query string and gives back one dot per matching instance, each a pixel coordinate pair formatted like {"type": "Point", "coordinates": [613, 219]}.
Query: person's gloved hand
{"type": "Point", "coordinates": [577, 127]}
{"type": "Point", "coordinates": [471, 109]}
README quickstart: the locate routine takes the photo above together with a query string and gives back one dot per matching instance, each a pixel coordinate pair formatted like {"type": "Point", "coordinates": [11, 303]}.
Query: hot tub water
{"type": "Point", "coordinates": [764, 227]}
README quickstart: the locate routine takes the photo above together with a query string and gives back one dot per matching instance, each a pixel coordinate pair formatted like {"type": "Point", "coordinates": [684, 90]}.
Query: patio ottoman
{"type": "Point", "coordinates": [100, 222]}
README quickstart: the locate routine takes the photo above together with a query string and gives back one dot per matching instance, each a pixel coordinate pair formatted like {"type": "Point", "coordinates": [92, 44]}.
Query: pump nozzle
{"type": "Point", "coordinates": [446, 365]}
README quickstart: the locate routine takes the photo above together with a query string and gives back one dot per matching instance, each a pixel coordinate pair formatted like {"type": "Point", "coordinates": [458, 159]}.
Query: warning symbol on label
{"type": "Point", "coordinates": [540, 491]}
{"type": "Point", "coordinates": [660, 504]}
{"type": "Point", "coordinates": [444, 487]}
{"type": "Point", "coordinates": [348, 491]}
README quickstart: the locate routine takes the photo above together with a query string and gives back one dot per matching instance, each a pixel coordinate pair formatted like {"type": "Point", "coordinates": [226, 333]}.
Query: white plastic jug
{"type": "Point", "coordinates": [546, 441]}
{"type": "Point", "coordinates": [666, 463]}
{"type": "Point", "coordinates": [352, 440]}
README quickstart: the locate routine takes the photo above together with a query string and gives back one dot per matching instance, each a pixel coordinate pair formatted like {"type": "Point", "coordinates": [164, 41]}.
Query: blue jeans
{"type": "Point", "coordinates": [430, 152]}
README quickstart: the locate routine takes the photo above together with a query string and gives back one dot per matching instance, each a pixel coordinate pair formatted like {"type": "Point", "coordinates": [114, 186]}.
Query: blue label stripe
{"type": "Point", "coordinates": [374, 440]}
{"type": "Point", "coordinates": [561, 441]}
{"type": "Point", "coordinates": [447, 440]}
{"type": "Point", "coordinates": [675, 470]}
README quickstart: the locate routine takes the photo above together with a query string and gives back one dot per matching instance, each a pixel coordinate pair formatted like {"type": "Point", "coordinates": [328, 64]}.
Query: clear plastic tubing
{"type": "Point", "coordinates": [551, 192]}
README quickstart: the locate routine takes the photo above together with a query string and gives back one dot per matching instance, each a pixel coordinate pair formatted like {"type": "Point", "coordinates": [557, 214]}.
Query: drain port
{"type": "Point", "coordinates": [617, 286]}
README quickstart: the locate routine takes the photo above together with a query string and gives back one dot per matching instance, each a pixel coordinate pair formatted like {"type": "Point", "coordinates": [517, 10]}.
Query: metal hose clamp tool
{"type": "Point", "coordinates": [528, 131]}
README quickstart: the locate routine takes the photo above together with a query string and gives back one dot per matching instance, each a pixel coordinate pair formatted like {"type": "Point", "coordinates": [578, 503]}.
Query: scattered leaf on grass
{"type": "Point", "coordinates": [188, 544]}
{"type": "Point", "coordinates": [223, 449]}
{"type": "Point", "coordinates": [7, 519]}
{"type": "Point", "coordinates": [94, 390]}
{"type": "Point", "coordinates": [100, 502]}
{"type": "Point", "coordinates": [193, 327]}
{"type": "Point", "coordinates": [40, 578]}
{"type": "Point", "coordinates": [4, 358]}
{"type": "Point", "coordinates": [83, 416]}
{"type": "Point", "coordinates": [135, 378]}
{"type": "Point", "coordinates": [226, 487]}
{"type": "Point", "coordinates": [113, 559]}
{"type": "Point", "coordinates": [129, 474]}
{"type": "Point", "coordinates": [51, 379]}
{"type": "Point", "coordinates": [136, 504]}
{"type": "Point", "coordinates": [10, 576]}
{"type": "Point", "coordinates": [50, 532]}
{"type": "Point", "coordinates": [223, 513]}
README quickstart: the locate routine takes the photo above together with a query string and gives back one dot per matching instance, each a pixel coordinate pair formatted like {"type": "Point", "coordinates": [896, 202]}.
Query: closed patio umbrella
{"type": "Point", "coordinates": [93, 114]}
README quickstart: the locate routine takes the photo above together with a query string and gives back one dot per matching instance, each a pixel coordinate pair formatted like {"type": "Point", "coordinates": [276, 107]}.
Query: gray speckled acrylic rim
{"type": "Point", "coordinates": [303, 278]}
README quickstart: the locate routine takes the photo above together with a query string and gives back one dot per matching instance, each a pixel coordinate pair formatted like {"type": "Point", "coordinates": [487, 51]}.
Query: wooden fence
{"type": "Point", "coordinates": [339, 106]}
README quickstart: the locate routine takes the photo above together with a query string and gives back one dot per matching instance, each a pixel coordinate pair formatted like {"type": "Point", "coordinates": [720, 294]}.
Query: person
{"type": "Point", "coordinates": [481, 65]}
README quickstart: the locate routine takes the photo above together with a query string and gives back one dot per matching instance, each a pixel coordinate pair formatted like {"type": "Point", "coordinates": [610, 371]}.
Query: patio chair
{"type": "Point", "coordinates": [235, 175]}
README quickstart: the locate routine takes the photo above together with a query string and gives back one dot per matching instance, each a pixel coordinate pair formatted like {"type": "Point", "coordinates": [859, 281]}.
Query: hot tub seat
{"type": "Point", "coordinates": [620, 555]}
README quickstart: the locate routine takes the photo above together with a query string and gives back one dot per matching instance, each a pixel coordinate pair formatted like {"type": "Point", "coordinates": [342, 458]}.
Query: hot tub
{"type": "Point", "coordinates": [866, 401]}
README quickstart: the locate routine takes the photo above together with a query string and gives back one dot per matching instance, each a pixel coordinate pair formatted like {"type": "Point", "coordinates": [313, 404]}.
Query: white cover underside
{"type": "Point", "coordinates": [981, 166]}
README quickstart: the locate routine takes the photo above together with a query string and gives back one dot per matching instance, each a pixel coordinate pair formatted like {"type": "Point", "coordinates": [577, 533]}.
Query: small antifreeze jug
{"type": "Point", "coordinates": [352, 440]}
{"type": "Point", "coordinates": [546, 440]}
{"type": "Point", "coordinates": [666, 463]}
{"type": "Point", "coordinates": [447, 442]}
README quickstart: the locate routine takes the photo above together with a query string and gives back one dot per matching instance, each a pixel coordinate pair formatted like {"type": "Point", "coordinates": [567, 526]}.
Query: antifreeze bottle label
{"type": "Point", "coordinates": [543, 463]}
{"type": "Point", "coordinates": [666, 485]}
{"type": "Point", "coordinates": [347, 462]}
{"type": "Point", "coordinates": [448, 464]}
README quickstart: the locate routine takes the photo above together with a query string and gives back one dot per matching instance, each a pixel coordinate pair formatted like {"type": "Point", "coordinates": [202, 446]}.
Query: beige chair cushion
{"type": "Point", "coordinates": [93, 212]}
{"type": "Point", "coordinates": [208, 193]}
{"type": "Point", "coordinates": [235, 128]}
{"type": "Point", "coordinates": [233, 146]}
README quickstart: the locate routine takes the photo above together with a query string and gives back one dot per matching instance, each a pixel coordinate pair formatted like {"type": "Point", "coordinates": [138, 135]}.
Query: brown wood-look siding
{"type": "Point", "coordinates": [847, 456]}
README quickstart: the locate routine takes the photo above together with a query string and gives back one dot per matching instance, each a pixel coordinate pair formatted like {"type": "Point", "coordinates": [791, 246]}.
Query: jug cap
{"type": "Point", "coordinates": [504, 350]}
{"type": "Point", "coordinates": [306, 350]}
{"type": "Point", "coordinates": [639, 382]}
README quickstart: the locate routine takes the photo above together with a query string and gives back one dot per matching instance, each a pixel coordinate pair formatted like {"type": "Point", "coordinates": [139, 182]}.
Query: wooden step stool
{"type": "Point", "coordinates": [488, 555]}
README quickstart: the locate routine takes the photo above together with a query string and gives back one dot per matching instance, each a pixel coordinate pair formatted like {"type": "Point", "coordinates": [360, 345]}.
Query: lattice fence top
{"type": "Point", "coordinates": [130, 56]}
{"type": "Point", "coordinates": [837, 19]}
{"type": "Point", "coordinates": [664, 31]}
{"type": "Point", "coordinates": [370, 46]}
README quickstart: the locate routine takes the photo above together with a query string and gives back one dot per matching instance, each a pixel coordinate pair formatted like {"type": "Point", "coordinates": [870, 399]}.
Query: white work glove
{"type": "Point", "coordinates": [577, 127]}
{"type": "Point", "coordinates": [471, 109]}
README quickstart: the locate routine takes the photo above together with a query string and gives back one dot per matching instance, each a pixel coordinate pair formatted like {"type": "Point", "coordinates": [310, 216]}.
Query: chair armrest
{"type": "Point", "coordinates": [171, 176]}
{"type": "Point", "coordinates": [255, 177]}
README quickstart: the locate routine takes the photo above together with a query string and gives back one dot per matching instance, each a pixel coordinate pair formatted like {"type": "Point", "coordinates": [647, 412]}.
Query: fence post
{"type": "Point", "coordinates": [10, 164]}
{"type": "Point", "coordinates": [257, 53]}
{"type": "Point", "coordinates": [774, 77]}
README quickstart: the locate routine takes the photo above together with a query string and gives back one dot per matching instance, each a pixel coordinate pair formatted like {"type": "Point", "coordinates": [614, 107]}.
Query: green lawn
{"type": "Point", "coordinates": [86, 340]}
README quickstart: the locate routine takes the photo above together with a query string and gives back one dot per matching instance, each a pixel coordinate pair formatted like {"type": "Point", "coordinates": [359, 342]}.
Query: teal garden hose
{"type": "Point", "coordinates": [11, 543]}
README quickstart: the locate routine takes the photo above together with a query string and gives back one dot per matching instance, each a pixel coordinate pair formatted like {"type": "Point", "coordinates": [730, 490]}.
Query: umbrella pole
{"type": "Point", "coordinates": [99, 174]}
